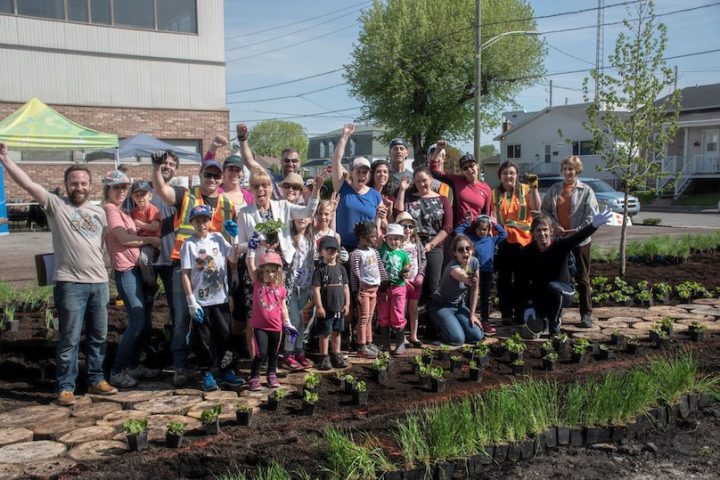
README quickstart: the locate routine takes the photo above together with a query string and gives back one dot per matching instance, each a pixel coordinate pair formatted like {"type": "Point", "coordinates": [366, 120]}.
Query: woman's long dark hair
{"type": "Point", "coordinates": [504, 166]}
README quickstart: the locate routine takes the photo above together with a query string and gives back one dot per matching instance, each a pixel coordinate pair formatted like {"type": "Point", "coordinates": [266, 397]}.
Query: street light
{"type": "Point", "coordinates": [478, 76]}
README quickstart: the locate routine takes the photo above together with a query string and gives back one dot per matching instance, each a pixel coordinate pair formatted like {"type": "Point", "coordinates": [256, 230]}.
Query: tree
{"type": "Point", "coordinates": [629, 142]}
{"type": "Point", "coordinates": [414, 65]}
{"type": "Point", "coordinates": [271, 137]}
{"type": "Point", "coordinates": [487, 151]}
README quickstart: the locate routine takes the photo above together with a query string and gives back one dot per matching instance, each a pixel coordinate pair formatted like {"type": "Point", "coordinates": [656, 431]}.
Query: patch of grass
{"type": "Point", "coordinates": [274, 471]}
{"type": "Point", "coordinates": [698, 200]}
{"type": "Point", "coordinates": [348, 460]}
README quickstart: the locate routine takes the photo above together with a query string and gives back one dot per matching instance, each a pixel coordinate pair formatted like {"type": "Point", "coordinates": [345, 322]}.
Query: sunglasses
{"type": "Point", "coordinates": [407, 226]}
{"type": "Point", "coordinates": [261, 185]}
{"type": "Point", "coordinates": [120, 187]}
{"type": "Point", "coordinates": [213, 176]}
{"type": "Point", "coordinates": [464, 249]}
{"type": "Point", "coordinates": [291, 187]}
{"type": "Point", "coordinates": [291, 160]}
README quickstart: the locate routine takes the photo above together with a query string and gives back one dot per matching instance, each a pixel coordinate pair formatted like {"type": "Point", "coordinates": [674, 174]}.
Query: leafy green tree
{"type": "Point", "coordinates": [413, 66]}
{"type": "Point", "coordinates": [271, 137]}
{"type": "Point", "coordinates": [487, 151]}
{"type": "Point", "coordinates": [630, 142]}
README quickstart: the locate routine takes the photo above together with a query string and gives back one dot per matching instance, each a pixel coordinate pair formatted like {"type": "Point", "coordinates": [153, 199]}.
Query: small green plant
{"type": "Point", "coordinates": [481, 350]}
{"type": "Point", "coordinates": [666, 323]}
{"type": "Point", "coordinates": [418, 360]}
{"type": "Point", "coordinates": [349, 379]}
{"type": "Point", "coordinates": [135, 427]}
{"type": "Point", "coordinates": [312, 380]}
{"type": "Point", "coordinates": [271, 226]}
{"type": "Point", "coordinates": [9, 313]}
{"type": "Point", "coordinates": [604, 347]}
{"type": "Point", "coordinates": [562, 337]}
{"type": "Point", "coordinates": [243, 407]}
{"type": "Point", "coordinates": [467, 349]}
{"type": "Point", "coordinates": [518, 362]}
{"type": "Point", "coordinates": [278, 394]}
{"type": "Point", "coordinates": [176, 428]}
{"type": "Point", "coordinates": [473, 365]}
{"type": "Point", "coordinates": [632, 341]}
{"type": "Point", "coordinates": [361, 386]}
{"type": "Point", "coordinates": [444, 348]}
{"type": "Point", "coordinates": [644, 295]}
{"type": "Point", "coordinates": [456, 358]}
{"type": "Point", "coordinates": [210, 415]}
{"type": "Point", "coordinates": [551, 356]}
{"type": "Point", "coordinates": [697, 326]}
{"type": "Point", "coordinates": [428, 352]}
{"type": "Point", "coordinates": [548, 345]}
{"type": "Point", "coordinates": [437, 373]}
{"type": "Point", "coordinates": [379, 364]}
{"type": "Point", "coordinates": [310, 397]}
{"type": "Point", "coordinates": [385, 356]}
{"type": "Point", "coordinates": [662, 290]}
{"type": "Point", "coordinates": [599, 283]}
{"type": "Point", "coordinates": [579, 348]}
{"type": "Point", "coordinates": [618, 296]}
{"type": "Point", "coordinates": [48, 319]}
{"type": "Point", "coordinates": [515, 346]}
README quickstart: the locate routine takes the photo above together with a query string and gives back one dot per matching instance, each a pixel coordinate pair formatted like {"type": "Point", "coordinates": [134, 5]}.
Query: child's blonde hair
{"type": "Point", "coordinates": [279, 278]}
{"type": "Point", "coordinates": [322, 206]}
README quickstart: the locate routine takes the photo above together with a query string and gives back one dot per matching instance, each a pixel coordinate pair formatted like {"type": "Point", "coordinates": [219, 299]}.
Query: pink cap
{"type": "Point", "coordinates": [270, 258]}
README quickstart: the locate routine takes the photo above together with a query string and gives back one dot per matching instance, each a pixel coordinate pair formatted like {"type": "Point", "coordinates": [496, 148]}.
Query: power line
{"type": "Point", "coordinates": [569, 54]}
{"type": "Point", "coordinates": [288, 82]}
{"type": "Point", "coordinates": [299, 95]}
{"type": "Point", "coordinates": [288, 117]}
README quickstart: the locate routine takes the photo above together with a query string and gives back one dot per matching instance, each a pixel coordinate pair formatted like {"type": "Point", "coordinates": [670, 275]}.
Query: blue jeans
{"type": "Point", "coordinates": [454, 323]}
{"type": "Point", "coordinates": [78, 304]}
{"type": "Point", "coordinates": [166, 276]}
{"type": "Point", "coordinates": [296, 301]}
{"type": "Point", "coordinates": [130, 287]}
{"type": "Point", "coordinates": [181, 322]}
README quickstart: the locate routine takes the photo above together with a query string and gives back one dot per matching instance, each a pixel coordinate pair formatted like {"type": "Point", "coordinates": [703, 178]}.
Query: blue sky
{"type": "Point", "coordinates": [273, 41]}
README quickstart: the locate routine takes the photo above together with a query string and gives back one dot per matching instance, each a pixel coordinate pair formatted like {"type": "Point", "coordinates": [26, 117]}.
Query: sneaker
{"type": "Point", "coordinates": [180, 379]}
{"type": "Point", "coordinates": [143, 372]}
{"type": "Point", "coordinates": [337, 360]}
{"type": "Point", "coordinates": [400, 350]}
{"type": "Point", "coordinates": [367, 352]}
{"type": "Point", "coordinates": [231, 379]}
{"type": "Point", "coordinates": [208, 382]}
{"type": "Point", "coordinates": [416, 343]}
{"type": "Point", "coordinates": [123, 379]}
{"type": "Point", "coordinates": [300, 357]}
{"type": "Point", "coordinates": [324, 364]}
{"type": "Point", "coordinates": [373, 348]}
{"type": "Point", "coordinates": [273, 381]}
{"type": "Point", "coordinates": [586, 320]}
{"type": "Point", "coordinates": [506, 321]}
{"type": "Point", "coordinates": [488, 328]}
{"type": "Point", "coordinates": [66, 398]}
{"type": "Point", "coordinates": [254, 384]}
{"type": "Point", "coordinates": [103, 388]}
{"type": "Point", "coordinates": [291, 364]}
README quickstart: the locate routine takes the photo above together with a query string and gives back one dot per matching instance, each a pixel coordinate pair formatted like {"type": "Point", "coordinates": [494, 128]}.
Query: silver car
{"type": "Point", "coordinates": [605, 194]}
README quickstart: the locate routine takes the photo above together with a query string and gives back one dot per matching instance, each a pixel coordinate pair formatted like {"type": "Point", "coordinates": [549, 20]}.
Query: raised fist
{"type": "Point", "coordinates": [531, 179]}
{"type": "Point", "coordinates": [242, 132]}
{"type": "Point", "coordinates": [158, 158]}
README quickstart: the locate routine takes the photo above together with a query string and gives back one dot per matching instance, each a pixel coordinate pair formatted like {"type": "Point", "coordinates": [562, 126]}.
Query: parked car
{"type": "Point", "coordinates": [605, 194]}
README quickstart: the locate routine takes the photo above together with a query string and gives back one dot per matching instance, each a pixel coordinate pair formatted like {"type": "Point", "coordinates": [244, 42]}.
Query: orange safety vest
{"type": "Point", "coordinates": [514, 215]}
{"type": "Point", "coordinates": [183, 228]}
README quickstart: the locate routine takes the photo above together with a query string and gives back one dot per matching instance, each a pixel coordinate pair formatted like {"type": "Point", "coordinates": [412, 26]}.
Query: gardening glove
{"type": "Point", "coordinates": [242, 132]}
{"type": "Point", "coordinates": [157, 158]}
{"type": "Point", "coordinates": [234, 281]}
{"type": "Point", "coordinates": [231, 228]}
{"type": "Point", "coordinates": [254, 241]}
{"type": "Point", "coordinates": [344, 255]}
{"type": "Point", "coordinates": [531, 179]}
{"type": "Point", "coordinates": [290, 331]}
{"type": "Point", "coordinates": [600, 219]}
{"type": "Point", "coordinates": [529, 314]}
{"type": "Point", "coordinates": [196, 311]}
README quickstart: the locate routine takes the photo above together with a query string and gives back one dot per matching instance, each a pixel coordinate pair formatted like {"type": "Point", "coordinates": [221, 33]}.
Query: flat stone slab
{"type": "Point", "coordinates": [644, 326]}
{"type": "Point", "coordinates": [160, 422]}
{"type": "Point", "coordinates": [97, 450]}
{"type": "Point", "coordinates": [97, 410]}
{"type": "Point", "coordinates": [87, 434]}
{"type": "Point", "coordinates": [652, 319]}
{"type": "Point", "coordinates": [28, 417]}
{"type": "Point", "coordinates": [227, 407]}
{"type": "Point", "coordinates": [715, 312]}
{"type": "Point", "coordinates": [605, 312]}
{"type": "Point", "coordinates": [574, 329]}
{"type": "Point", "coordinates": [687, 306]}
{"type": "Point", "coordinates": [10, 471]}
{"type": "Point", "coordinates": [667, 310]}
{"type": "Point", "coordinates": [599, 336]}
{"type": "Point", "coordinates": [29, 451]}
{"type": "Point", "coordinates": [129, 399]}
{"type": "Point", "coordinates": [220, 395]}
{"type": "Point", "coordinates": [709, 326]}
{"type": "Point", "coordinates": [173, 405]}
{"type": "Point", "coordinates": [707, 301]}
{"type": "Point", "coordinates": [615, 324]}
{"type": "Point", "coordinates": [188, 391]}
{"type": "Point", "coordinates": [116, 419]}
{"type": "Point", "coordinates": [695, 316]}
{"type": "Point", "coordinates": [46, 469]}
{"type": "Point", "coordinates": [55, 430]}
{"type": "Point", "coordinates": [157, 386]}
{"type": "Point", "coordinates": [612, 320]}
{"type": "Point", "coordinates": [12, 435]}
{"type": "Point", "coordinates": [262, 394]}
{"type": "Point", "coordinates": [627, 332]}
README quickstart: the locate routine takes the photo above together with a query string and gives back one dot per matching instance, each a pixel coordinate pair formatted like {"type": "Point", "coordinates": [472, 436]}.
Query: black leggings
{"type": "Point", "coordinates": [267, 344]}
{"type": "Point", "coordinates": [211, 337]}
{"type": "Point", "coordinates": [486, 281]}
{"type": "Point", "coordinates": [507, 266]}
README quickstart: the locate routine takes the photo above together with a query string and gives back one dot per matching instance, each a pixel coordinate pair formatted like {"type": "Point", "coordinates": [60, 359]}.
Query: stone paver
{"type": "Point", "coordinates": [28, 417]}
{"type": "Point", "coordinates": [220, 395]}
{"type": "Point", "coordinates": [29, 451]}
{"type": "Point", "coordinates": [97, 450]}
{"type": "Point", "coordinates": [97, 410]}
{"type": "Point", "coordinates": [10, 471]}
{"type": "Point", "coordinates": [87, 434]}
{"type": "Point", "coordinates": [227, 411]}
{"type": "Point", "coordinates": [175, 405]}
{"type": "Point", "coordinates": [12, 435]}
{"type": "Point", "coordinates": [55, 430]}
{"type": "Point", "coordinates": [117, 419]}
{"type": "Point", "coordinates": [128, 399]}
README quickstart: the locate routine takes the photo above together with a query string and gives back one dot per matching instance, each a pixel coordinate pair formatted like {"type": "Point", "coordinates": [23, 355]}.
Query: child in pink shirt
{"type": "Point", "coordinates": [147, 220]}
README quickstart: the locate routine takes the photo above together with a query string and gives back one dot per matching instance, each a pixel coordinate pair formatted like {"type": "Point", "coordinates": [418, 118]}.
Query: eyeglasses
{"type": "Point", "coordinates": [213, 176]}
{"type": "Point", "coordinates": [408, 226]}
{"type": "Point", "coordinates": [291, 160]}
{"type": "Point", "coordinates": [122, 186]}
{"type": "Point", "coordinates": [292, 187]}
{"type": "Point", "coordinates": [464, 249]}
{"type": "Point", "coordinates": [261, 185]}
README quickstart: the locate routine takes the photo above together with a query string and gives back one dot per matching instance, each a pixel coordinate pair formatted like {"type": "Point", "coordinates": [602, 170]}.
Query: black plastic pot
{"type": "Point", "coordinates": [549, 365]}
{"type": "Point", "coordinates": [456, 366]}
{"type": "Point", "coordinates": [137, 442]}
{"type": "Point", "coordinates": [379, 375]}
{"type": "Point", "coordinates": [243, 418]}
{"type": "Point", "coordinates": [595, 435]}
{"type": "Point", "coordinates": [514, 453]}
{"type": "Point", "coordinates": [563, 436]}
{"type": "Point", "coordinates": [483, 361]}
{"type": "Point", "coordinates": [348, 386]}
{"type": "Point", "coordinates": [544, 351]}
{"type": "Point", "coordinates": [631, 430]}
{"type": "Point", "coordinates": [309, 408]}
{"type": "Point", "coordinates": [662, 342]}
{"type": "Point", "coordinates": [518, 370]}
{"type": "Point", "coordinates": [425, 381]}
{"type": "Point", "coordinates": [476, 374]}
{"type": "Point", "coordinates": [668, 330]}
{"type": "Point", "coordinates": [576, 437]}
{"type": "Point", "coordinates": [705, 400]}
{"type": "Point", "coordinates": [683, 408]}
{"type": "Point", "coordinates": [697, 335]}
{"type": "Point", "coordinates": [618, 433]}
{"type": "Point", "coordinates": [443, 356]}
{"type": "Point", "coordinates": [272, 238]}
{"type": "Point", "coordinates": [693, 402]}
{"type": "Point", "coordinates": [632, 348]}
{"type": "Point", "coordinates": [273, 403]}
{"type": "Point", "coordinates": [444, 471]}
{"type": "Point", "coordinates": [500, 452]}
{"type": "Point", "coordinates": [562, 348]}
{"type": "Point", "coordinates": [416, 368]}
{"type": "Point", "coordinates": [173, 441]}
{"type": "Point", "coordinates": [308, 389]}
{"type": "Point", "coordinates": [212, 428]}
{"type": "Point", "coordinates": [616, 338]}
{"type": "Point", "coordinates": [516, 356]}
{"type": "Point", "coordinates": [604, 354]}
{"type": "Point", "coordinates": [659, 416]}
{"type": "Point", "coordinates": [394, 475]}
{"type": "Point", "coordinates": [427, 359]}
{"type": "Point", "coordinates": [577, 357]}
{"type": "Point", "coordinates": [360, 398]}
{"type": "Point", "coordinates": [438, 385]}
{"type": "Point", "coordinates": [414, 474]}
{"type": "Point", "coordinates": [550, 438]}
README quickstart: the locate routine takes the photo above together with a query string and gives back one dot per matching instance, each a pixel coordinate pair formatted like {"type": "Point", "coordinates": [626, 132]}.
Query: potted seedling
{"type": "Point", "coordinates": [604, 352]}
{"type": "Point", "coordinates": [276, 398]}
{"type": "Point", "coordinates": [697, 331]}
{"type": "Point", "coordinates": [661, 338]}
{"type": "Point", "coordinates": [270, 230]}
{"type": "Point", "coordinates": [662, 292]}
{"type": "Point", "coordinates": [424, 375]}
{"type": "Point", "coordinates": [387, 358]}
{"type": "Point", "coordinates": [444, 353]}
{"type": "Point", "coordinates": [515, 348]}
{"type": "Point", "coordinates": [549, 360]}
{"type": "Point", "coordinates": [632, 344]}
{"type": "Point", "coordinates": [10, 321]}
{"type": "Point", "coordinates": [546, 347]}
{"type": "Point", "coordinates": [437, 380]}
{"type": "Point", "coordinates": [348, 383]}
{"type": "Point", "coordinates": [339, 379]}
{"type": "Point", "coordinates": [475, 371]}
{"type": "Point", "coordinates": [666, 324]}
{"type": "Point", "coordinates": [379, 370]}
{"type": "Point", "coordinates": [467, 351]}
{"type": "Point", "coordinates": [174, 434]}
{"type": "Point", "coordinates": [360, 393]}
{"type": "Point", "coordinates": [578, 351]}
{"type": "Point", "coordinates": [310, 399]}
{"type": "Point", "coordinates": [561, 342]}
{"type": "Point", "coordinates": [481, 354]}
{"type": "Point", "coordinates": [616, 338]}
{"type": "Point", "coordinates": [518, 367]}
{"type": "Point", "coordinates": [210, 418]}
{"type": "Point", "coordinates": [427, 355]}
{"type": "Point", "coordinates": [312, 381]}
{"type": "Point", "coordinates": [417, 362]}
{"type": "Point", "coordinates": [456, 364]}
{"type": "Point", "coordinates": [645, 298]}
{"type": "Point", "coordinates": [136, 432]}
{"type": "Point", "coordinates": [243, 413]}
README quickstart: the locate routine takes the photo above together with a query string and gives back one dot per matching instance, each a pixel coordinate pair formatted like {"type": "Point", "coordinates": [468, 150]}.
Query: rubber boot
{"type": "Point", "coordinates": [399, 342]}
{"type": "Point", "coordinates": [385, 336]}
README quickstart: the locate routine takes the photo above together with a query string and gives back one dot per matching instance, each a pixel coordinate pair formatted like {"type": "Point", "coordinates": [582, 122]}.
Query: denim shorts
{"type": "Point", "coordinates": [333, 322]}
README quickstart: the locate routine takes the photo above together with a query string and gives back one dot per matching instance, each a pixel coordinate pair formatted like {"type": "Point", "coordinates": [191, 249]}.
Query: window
{"type": "Point", "coordinates": [583, 147]}
{"type": "Point", "coordinates": [351, 146]}
{"type": "Point", "coordinates": [331, 148]}
{"type": "Point", "coordinates": [548, 154]}
{"type": "Point", "coordinates": [6, 6]}
{"type": "Point", "coordinates": [322, 149]}
{"type": "Point", "coordinates": [101, 11]}
{"type": "Point", "coordinates": [513, 151]}
{"type": "Point", "coordinates": [42, 8]}
{"type": "Point", "coordinates": [77, 11]}
{"type": "Point", "coordinates": [134, 13]}
{"type": "Point", "coordinates": [176, 15]}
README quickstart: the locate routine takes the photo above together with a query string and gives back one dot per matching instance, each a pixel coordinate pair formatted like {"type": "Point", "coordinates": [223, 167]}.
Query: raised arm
{"type": "Point", "coordinates": [400, 199]}
{"type": "Point", "coordinates": [218, 142]}
{"type": "Point", "coordinates": [21, 178]}
{"type": "Point", "coordinates": [337, 168]}
{"type": "Point", "coordinates": [245, 151]}
{"type": "Point", "coordinates": [162, 189]}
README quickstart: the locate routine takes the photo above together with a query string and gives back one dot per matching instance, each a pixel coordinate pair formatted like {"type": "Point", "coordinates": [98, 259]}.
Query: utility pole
{"type": "Point", "coordinates": [675, 80]}
{"type": "Point", "coordinates": [599, 43]}
{"type": "Point", "coordinates": [478, 78]}
{"type": "Point", "coordinates": [550, 93]}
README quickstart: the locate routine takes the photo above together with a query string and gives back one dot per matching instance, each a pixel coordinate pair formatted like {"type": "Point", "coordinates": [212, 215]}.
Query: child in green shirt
{"type": "Point", "coordinates": [392, 302]}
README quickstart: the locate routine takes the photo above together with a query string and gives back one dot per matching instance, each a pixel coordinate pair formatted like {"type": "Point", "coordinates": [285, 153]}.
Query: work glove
{"type": "Point", "coordinates": [344, 255]}
{"type": "Point", "coordinates": [196, 311]}
{"type": "Point", "coordinates": [529, 314]}
{"type": "Point", "coordinates": [234, 281]}
{"type": "Point", "coordinates": [242, 132]}
{"type": "Point", "coordinates": [254, 241]}
{"type": "Point", "coordinates": [601, 218]}
{"type": "Point", "coordinates": [290, 331]}
{"type": "Point", "coordinates": [157, 158]}
{"type": "Point", "coordinates": [531, 179]}
{"type": "Point", "coordinates": [231, 228]}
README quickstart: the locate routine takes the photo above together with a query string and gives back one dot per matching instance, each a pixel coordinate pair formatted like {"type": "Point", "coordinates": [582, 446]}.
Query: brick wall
{"type": "Point", "coordinates": [125, 122]}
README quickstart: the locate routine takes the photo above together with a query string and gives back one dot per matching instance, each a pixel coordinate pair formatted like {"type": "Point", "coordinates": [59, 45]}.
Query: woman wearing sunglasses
{"type": "Point", "coordinates": [456, 320]}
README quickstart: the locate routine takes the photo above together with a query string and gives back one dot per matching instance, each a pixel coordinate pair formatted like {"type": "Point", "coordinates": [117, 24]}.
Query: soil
{"type": "Point", "coordinates": [682, 451]}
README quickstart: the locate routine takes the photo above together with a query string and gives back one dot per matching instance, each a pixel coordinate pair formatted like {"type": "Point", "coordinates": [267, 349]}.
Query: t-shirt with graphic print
{"type": "Point", "coordinates": [396, 262]}
{"type": "Point", "coordinates": [206, 259]}
{"type": "Point", "coordinates": [332, 280]}
{"type": "Point", "coordinates": [267, 301]}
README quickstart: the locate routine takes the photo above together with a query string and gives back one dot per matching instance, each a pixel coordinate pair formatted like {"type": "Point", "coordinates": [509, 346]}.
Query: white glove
{"type": "Point", "coordinates": [344, 255]}
{"type": "Point", "coordinates": [529, 314]}
{"type": "Point", "coordinates": [196, 311]}
{"type": "Point", "coordinates": [601, 218]}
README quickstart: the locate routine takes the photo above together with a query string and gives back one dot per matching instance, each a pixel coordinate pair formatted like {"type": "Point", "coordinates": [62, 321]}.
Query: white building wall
{"type": "Point", "coordinates": [70, 63]}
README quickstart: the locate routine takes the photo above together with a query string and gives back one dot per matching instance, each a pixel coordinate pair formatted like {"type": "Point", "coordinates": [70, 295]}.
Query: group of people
{"type": "Point", "coordinates": [389, 243]}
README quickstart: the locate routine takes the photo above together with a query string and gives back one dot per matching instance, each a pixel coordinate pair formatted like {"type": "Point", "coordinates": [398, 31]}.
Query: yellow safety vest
{"type": "Point", "coordinates": [183, 228]}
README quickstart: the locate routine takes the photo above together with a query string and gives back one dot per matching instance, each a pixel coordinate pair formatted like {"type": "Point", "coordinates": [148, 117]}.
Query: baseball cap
{"type": "Point", "coordinates": [233, 161]}
{"type": "Point", "coordinates": [395, 229]}
{"type": "Point", "coordinates": [467, 158]}
{"type": "Point", "coordinates": [210, 163]}
{"type": "Point", "coordinates": [397, 141]}
{"type": "Point", "coordinates": [270, 258]}
{"type": "Point", "coordinates": [143, 185]}
{"type": "Point", "coordinates": [116, 177]}
{"type": "Point", "coordinates": [329, 242]}
{"type": "Point", "coordinates": [360, 162]}
{"type": "Point", "coordinates": [201, 211]}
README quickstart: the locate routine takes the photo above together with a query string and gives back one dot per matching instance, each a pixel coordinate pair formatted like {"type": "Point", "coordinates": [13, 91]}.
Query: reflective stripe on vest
{"type": "Point", "coordinates": [183, 227]}
{"type": "Point", "coordinates": [521, 221]}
